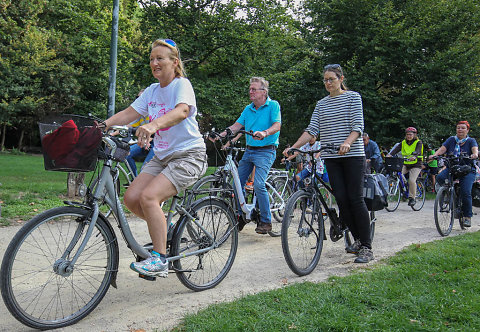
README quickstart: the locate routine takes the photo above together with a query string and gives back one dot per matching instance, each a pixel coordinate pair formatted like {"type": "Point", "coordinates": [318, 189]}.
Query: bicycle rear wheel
{"type": "Point", "coordinates": [394, 194]}
{"type": "Point", "coordinates": [283, 188]}
{"type": "Point", "coordinates": [38, 288]}
{"type": "Point", "coordinates": [373, 219]}
{"type": "Point", "coordinates": [420, 196]}
{"type": "Point", "coordinates": [348, 237]}
{"type": "Point", "coordinates": [205, 270]}
{"type": "Point", "coordinates": [443, 211]}
{"type": "Point", "coordinates": [302, 232]}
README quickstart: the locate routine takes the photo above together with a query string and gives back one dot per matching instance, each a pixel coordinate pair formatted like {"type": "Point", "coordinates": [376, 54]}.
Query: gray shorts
{"type": "Point", "coordinates": [182, 168]}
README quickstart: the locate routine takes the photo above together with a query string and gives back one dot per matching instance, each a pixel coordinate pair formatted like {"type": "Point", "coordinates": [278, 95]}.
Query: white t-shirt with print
{"type": "Point", "coordinates": [320, 164]}
{"type": "Point", "coordinates": [156, 101]}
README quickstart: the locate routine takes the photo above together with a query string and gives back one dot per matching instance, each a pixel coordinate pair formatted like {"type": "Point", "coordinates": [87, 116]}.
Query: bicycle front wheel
{"type": "Point", "coordinates": [420, 196]}
{"type": "Point", "coordinates": [328, 198]}
{"type": "Point", "coordinates": [207, 269]}
{"type": "Point", "coordinates": [444, 211]}
{"type": "Point", "coordinates": [38, 287]}
{"type": "Point", "coordinates": [394, 194]}
{"type": "Point", "coordinates": [302, 232]}
{"type": "Point", "coordinates": [212, 185]}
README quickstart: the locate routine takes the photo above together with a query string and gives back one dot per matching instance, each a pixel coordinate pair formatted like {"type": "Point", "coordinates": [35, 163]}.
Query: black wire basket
{"type": "Point", "coordinates": [393, 164]}
{"type": "Point", "coordinates": [70, 143]}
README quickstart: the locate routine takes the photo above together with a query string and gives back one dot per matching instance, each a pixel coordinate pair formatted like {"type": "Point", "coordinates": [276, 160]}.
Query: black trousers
{"type": "Point", "coordinates": [346, 177]}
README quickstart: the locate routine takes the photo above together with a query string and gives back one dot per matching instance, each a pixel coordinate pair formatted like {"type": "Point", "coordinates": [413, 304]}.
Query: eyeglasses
{"type": "Point", "coordinates": [332, 66]}
{"type": "Point", "coordinates": [170, 43]}
{"type": "Point", "coordinates": [254, 90]}
{"type": "Point", "coordinates": [330, 80]}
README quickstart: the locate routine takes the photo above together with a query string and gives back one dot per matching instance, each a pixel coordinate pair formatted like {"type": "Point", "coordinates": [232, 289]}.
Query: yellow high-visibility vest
{"type": "Point", "coordinates": [407, 151]}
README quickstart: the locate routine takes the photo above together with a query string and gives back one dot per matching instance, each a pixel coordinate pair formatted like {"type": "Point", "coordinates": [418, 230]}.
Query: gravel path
{"type": "Point", "coordinates": [140, 305]}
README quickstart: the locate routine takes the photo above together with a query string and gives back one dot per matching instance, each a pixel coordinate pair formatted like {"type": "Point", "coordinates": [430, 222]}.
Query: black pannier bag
{"type": "Point", "coordinates": [476, 194]}
{"type": "Point", "coordinates": [375, 191]}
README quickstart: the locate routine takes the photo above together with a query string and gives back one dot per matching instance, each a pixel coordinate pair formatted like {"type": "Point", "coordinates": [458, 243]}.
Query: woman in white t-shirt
{"type": "Point", "coordinates": [180, 153]}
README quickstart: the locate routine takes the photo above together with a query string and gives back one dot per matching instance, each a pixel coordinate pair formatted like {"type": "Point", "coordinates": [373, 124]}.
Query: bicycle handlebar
{"type": "Point", "coordinates": [230, 134]}
{"type": "Point", "coordinates": [327, 147]}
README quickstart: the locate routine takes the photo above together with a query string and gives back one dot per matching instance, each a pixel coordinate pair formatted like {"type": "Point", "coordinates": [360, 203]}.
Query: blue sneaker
{"type": "Point", "coordinates": [152, 266]}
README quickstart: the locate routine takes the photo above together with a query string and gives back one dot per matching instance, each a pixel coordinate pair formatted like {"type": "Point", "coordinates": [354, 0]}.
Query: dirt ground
{"type": "Point", "coordinates": [138, 304]}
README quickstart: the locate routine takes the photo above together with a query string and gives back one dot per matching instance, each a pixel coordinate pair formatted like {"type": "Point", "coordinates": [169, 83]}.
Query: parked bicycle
{"type": "Point", "coordinates": [303, 226]}
{"type": "Point", "coordinates": [398, 186]}
{"type": "Point", "coordinates": [448, 205]}
{"type": "Point", "coordinates": [226, 183]}
{"type": "Point", "coordinates": [60, 264]}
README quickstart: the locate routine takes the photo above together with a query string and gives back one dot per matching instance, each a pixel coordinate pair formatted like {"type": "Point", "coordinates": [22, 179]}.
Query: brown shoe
{"type": "Point", "coordinates": [263, 227]}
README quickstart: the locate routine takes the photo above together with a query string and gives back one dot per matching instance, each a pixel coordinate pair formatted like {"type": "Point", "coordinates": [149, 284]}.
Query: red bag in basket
{"type": "Point", "coordinates": [60, 142]}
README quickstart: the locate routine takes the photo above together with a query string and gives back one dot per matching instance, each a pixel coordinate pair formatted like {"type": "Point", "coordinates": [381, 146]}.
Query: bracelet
{"type": "Point", "coordinates": [266, 132]}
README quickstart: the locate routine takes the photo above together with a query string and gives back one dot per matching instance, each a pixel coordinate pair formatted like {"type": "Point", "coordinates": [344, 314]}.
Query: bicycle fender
{"type": "Point", "coordinates": [113, 283]}
{"type": "Point", "coordinates": [116, 262]}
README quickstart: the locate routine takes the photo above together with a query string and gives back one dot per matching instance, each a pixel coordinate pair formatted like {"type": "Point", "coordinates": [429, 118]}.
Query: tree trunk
{"type": "Point", "coordinates": [2, 143]}
{"type": "Point", "coordinates": [74, 180]}
{"type": "Point", "coordinates": [20, 140]}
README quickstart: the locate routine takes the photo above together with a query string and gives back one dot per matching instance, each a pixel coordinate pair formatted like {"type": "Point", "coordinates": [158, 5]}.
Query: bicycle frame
{"type": "Point", "coordinates": [403, 187]}
{"type": "Point", "coordinates": [244, 206]}
{"type": "Point", "coordinates": [331, 212]}
{"type": "Point", "coordinates": [106, 184]}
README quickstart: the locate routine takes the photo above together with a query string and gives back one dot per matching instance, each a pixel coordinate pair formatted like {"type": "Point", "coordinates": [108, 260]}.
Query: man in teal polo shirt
{"type": "Point", "coordinates": [263, 118]}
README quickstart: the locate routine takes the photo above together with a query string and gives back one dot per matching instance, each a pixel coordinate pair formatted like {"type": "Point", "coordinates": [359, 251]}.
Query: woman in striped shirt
{"type": "Point", "coordinates": [338, 119]}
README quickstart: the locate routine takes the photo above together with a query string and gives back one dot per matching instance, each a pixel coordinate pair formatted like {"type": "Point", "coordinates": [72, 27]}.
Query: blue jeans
{"type": "Point", "coordinates": [262, 160]}
{"type": "Point", "coordinates": [466, 184]}
{"type": "Point", "coordinates": [305, 173]}
{"type": "Point", "coordinates": [136, 151]}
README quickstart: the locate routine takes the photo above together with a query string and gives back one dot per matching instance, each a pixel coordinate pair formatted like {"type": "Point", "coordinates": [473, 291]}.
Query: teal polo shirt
{"type": "Point", "coordinates": [261, 119]}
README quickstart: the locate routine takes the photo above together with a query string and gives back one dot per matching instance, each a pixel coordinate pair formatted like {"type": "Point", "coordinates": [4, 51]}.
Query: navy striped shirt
{"type": "Point", "coordinates": [335, 118]}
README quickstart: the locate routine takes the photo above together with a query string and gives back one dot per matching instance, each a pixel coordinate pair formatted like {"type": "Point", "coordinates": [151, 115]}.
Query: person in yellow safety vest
{"type": "Point", "coordinates": [412, 152]}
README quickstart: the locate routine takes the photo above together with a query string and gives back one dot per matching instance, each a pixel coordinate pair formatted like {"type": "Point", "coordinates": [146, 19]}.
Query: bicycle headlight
{"type": "Point", "coordinates": [82, 190]}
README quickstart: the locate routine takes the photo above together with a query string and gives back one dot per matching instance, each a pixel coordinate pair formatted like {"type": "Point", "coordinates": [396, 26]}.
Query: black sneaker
{"type": "Point", "coordinates": [411, 201]}
{"type": "Point", "coordinates": [467, 222]}
{"type": "Point", "coordinates": [241, 224]}
{"type": "Point", "coordinates": [354, 248]}
{"type": "Point", "coordinates": [263, 227]}
{"type": "Point", "coordinates": [365, 255]}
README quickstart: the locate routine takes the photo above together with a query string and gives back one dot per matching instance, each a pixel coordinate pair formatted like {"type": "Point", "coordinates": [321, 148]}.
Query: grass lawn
{"type": "Point", "coordinates": [428, 287]}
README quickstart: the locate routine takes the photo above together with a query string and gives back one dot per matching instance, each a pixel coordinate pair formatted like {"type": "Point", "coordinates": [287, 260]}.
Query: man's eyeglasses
{"type": "Point", "coordinates": [332, 66]}
{"type": "Point", "coordinates": [330, 80]}
{"type": "Point", "coordinates": [254, 90]}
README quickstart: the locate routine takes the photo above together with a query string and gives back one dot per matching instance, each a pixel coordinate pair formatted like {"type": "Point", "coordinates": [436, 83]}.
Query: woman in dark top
{"type": "Point", "coordinates": [456, 145]}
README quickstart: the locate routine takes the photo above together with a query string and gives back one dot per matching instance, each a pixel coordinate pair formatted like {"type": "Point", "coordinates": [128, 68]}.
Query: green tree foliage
{"type": "Point", "coordinates": [223, 44]}
{"type": "Point", "coordinates": [414, 62]}
{"type": "Point", "coordinates": [55, 59]}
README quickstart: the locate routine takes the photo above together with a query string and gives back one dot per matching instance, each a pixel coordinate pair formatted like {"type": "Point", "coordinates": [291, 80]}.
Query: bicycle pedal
{"type": "Point", "coordinates": [147, 277]}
